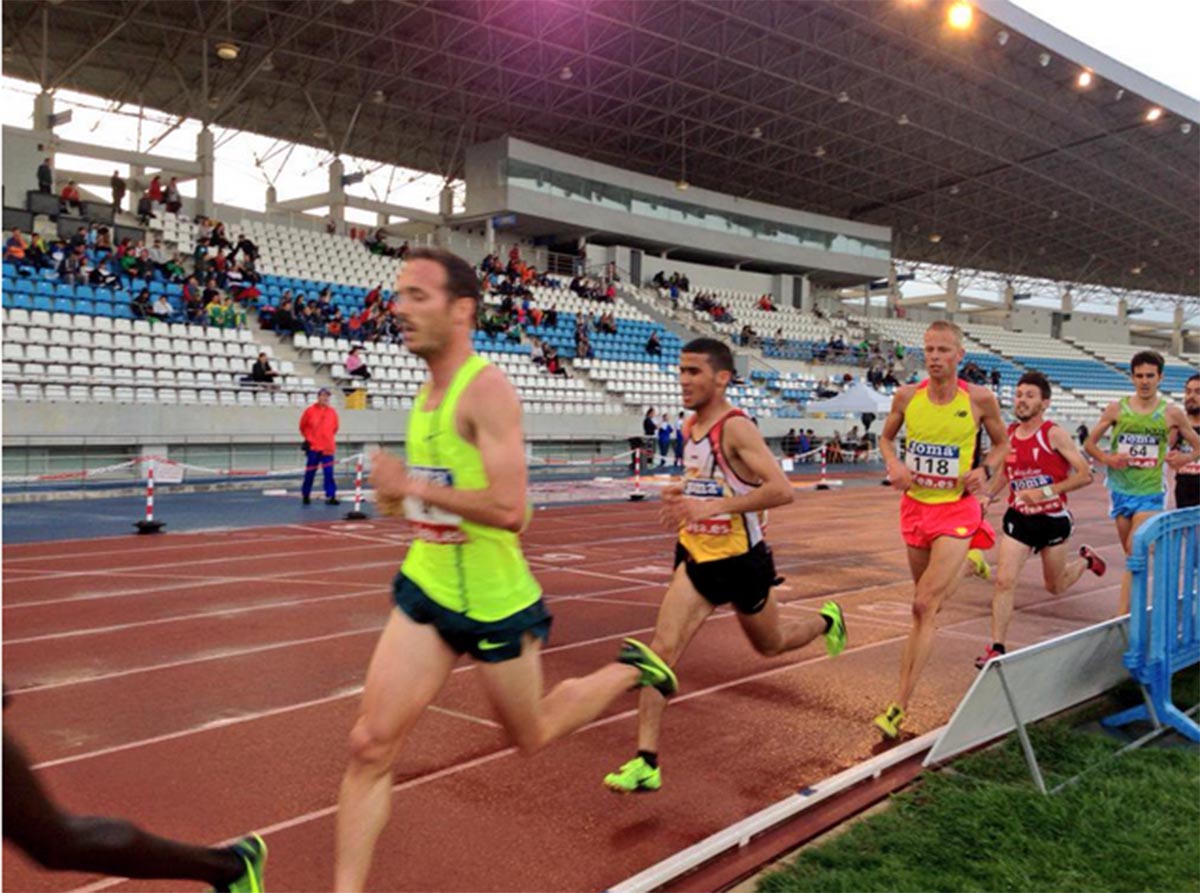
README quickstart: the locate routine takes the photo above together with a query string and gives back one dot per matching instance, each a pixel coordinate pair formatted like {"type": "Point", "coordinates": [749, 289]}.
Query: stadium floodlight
{"type": "Point", "coordinates": [1043, 59]}
{"type": "Point", "coordinates": [935, 238]}
{"type": "Point", "coordinates": [227, 50]}
{"type": "Point", "coordinates": [960, 15]}
{"type": "Point", "coordinates": [1085, 78]}
{"type": "Point", "coordinates": [565, 73]}
{"type": "Point", "coordinates": [819, 151]}
{"type": "Point", "coordinates": [1185, 128]}
{"type": "Point", "coordinates": [1002, 37]}
{"type": "Point", "coordinates": [902, 120]}
{"type": "Point", "coordinates": [843, 97]}
{"type": "Point", "coordinates": [682, 185]}
{"type": "Point", "coordinates": [378, 97]}
{"type": "Point", "coordinates": [1154, 114]}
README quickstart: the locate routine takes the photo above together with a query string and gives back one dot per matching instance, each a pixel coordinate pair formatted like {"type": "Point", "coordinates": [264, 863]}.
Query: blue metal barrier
{"type": "Point", "coordinates": [1164, 632]}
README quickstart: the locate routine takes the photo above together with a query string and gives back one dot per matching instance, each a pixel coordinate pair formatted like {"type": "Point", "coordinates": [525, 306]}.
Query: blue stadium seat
{"type": "Point", "coordinates": [87, 308]}
{"type": "Point", "coordinates": [45, 289]}
{"type": "Point", "coordinates": [64, 305]}
{"type": "Point", "coordinates": [23, 302]}
{"type": "Point", "coordinates": [42, 302]}
{"type": "Point", "coordinates": [10, 270]}
{"type": "Point", "coordinates": [23, 287]}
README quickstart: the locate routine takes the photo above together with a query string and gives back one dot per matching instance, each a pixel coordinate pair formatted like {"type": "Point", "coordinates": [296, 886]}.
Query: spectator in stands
{"type": "Point", "coordinates": [583, 346]}
{"type": "Point", "coordinates": [319, 427]}
{"type": "Point", "coordinates": [140, 305]}
{"type": "Point", "coordinates": [552, 316]}
{"type": "Point", "coordinates": [402, 251]}
{"type": "Point", "coordinates": [788, 444]}
{"type": "Point", "coordinates": [45, 177]}
{"type": "Point", "coordinates": [72, 268]}
{"type": "Point", "coordinates": [101, 276]}
{"type": "Point", "coordinates": [145, 209]}
{"type": "Point", "coordinates": [214, 310]}
{"type": "Point", "coordinates": [653, 345]}
{"type": "Point", "coordinates": [553, 364]}
{"type": "Point", "coordinates": [246, 248]}
{"type": "Point", "coordinates": [162, 310]}
{"type": "Point", "coordinates": [336, 327]}
{"type": "Point", "coordinates": [218, 239]}
{"type": "Point", "coordinates": [104, 243]}
{"type": "Point", "coordinates": [356, 365]}
{"type": "Point", "coordinates": [171, 197]}
{"type": "Point", "coordinates": [16, 248]}
{"type": "Point", "coordinates": [118, 191]}
{"type": "Point", "coordinates": [261, 372]}
{"type": "Point", "coordinates": [331, 227]}
{"type": "Point", "coordinates": [764, 303]}
{"type": "Point", "coordinates": [1082, 433]}
{"type": "Point", "coordinates": [39, 253]}
{"type": "Point", "coordinates": [173, 268]}
{"type": "Point", "coordinates": [747, 336]}
{"type": "Point", "coordinates": [310, 319]}
{"type": "Point", "coordinates": [803, 442]}
{"type": "Point", "coordinates": [537, 353]}
{"type": "Point", "coordinates": [155, 190]}
{"type": "Point", "coordinates": [285, 319]}
{"type": "Point", "coordinates": [996, 380]}
{"type": "Point", "coordinates": [70, 198]}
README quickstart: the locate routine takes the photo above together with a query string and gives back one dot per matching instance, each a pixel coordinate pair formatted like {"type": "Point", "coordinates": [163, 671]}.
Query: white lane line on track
{"type": "Point", "coordinates": [271, 646]}
{"type": "Point", "coordinates": [202, 615]}
{"type": "Point", "coordinates": [197, 583]}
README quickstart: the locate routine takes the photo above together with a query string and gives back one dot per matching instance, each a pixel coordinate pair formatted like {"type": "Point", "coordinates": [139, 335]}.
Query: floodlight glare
{"type": "Point", "coordinates": [1154, 114]}
{"type": "Point", "coordinates": [960, 15]}
{"type": "Point", "coordinates": [227, 50]}
{"type": "Point", "coordinates": [1085, 78]}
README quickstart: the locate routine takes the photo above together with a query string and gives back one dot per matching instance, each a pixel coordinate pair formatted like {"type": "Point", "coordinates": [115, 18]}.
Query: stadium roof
{"type": "Point", "coordinates": [977, 147]}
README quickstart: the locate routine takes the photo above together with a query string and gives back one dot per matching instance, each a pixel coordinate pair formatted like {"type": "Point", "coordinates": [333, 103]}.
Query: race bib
{"type": "Point", "coordinates": [429, 522]}
{"type": "Point", "coordinates": [1034, 482]}
{"type": "Point", "coordinates": [1142, 449]}
{"type": "Point", "coordinates": [707, 488]}
{"type": "Point", "coordinates": [933, 465]}
{"type": "Point", "coordinates": [1192, 467]}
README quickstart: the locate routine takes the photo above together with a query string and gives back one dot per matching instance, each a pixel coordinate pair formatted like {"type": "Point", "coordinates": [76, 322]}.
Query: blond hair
{"type": "Point", "coordinates": [944, 325]}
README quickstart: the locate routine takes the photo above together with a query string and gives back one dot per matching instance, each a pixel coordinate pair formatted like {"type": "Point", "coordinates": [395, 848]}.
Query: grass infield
{"type": "Point", "coordinates": [1132, 823]}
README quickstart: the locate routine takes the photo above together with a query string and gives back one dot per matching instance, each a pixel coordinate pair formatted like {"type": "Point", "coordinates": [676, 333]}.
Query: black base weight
{"type": "Point", "coordinates": [149, 526]}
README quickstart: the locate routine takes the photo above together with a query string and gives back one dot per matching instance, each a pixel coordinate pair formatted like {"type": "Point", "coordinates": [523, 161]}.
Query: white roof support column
{"type": "Point", "coordinates": [206, 158]}
{"type": "Point", "coordinates": [1177, 331]}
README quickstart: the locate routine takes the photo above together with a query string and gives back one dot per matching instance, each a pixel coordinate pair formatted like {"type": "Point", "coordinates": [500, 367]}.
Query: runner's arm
{"type": "Point", "coordinates": [993, 463]}
{"type": "Point", "coordinates": [1092, 446]}
{"type": "Point", "coordinates": [897, 471]}
{"type": "Point", "coordinates": [1180, 426]}
{"type": "Point", "coordinates": [492, 414]}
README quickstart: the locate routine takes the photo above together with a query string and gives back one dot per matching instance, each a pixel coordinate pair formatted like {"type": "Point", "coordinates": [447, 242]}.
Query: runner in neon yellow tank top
{"type": "Point", "coordinates": [940, 518]}
{"type": "Point", "coordinates": [464, 587]}
{"type": "Point", "coordinates": [1143, 425]}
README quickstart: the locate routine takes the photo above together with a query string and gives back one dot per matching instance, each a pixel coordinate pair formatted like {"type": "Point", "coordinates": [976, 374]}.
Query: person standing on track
{"type": "Point", "coordinates": [319, 427]}
{"type": "Point", "coordinates": [1187, 478]}
{"type": "Point", "coordinates": [59, 841]}
{"type": "Point", "coordinates": [1143, 424]}
{"type": "Point", "coordinates": [1042, 467]}
{"type": "Point", "coordinates": [464, 587]}
{"type": "Point", "coordinates": [940, 518]}
{"type": "Point", "coordinates": [730, 478]}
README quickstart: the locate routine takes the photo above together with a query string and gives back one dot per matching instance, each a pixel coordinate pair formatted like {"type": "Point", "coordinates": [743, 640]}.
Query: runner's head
{"type": "Point", "coordinates": [1146, 369]}
{"type": "Point", "coordinates": [1031, 397]}
{"type": "Point", "coordinates": [1191, 396]}
{"type": "Point", "coordinates": [943, 350]}
{"type": "Point", "coordinates": [438, 296]}
{"type": "Point", "coordinates": [705, 370]}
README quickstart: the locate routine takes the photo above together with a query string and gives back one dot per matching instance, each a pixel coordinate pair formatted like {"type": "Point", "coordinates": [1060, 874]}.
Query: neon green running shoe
{"type": "Point", "coordinates": [636, 775]}
{"type": "Point", "coordinates": [253, 852]}
{"type": "Point", "coordinates": [978, 560]}
{"type": "Point", "coordinates": [654, 669]}
{"type": "Point", "coordinates": [889, 721]}
{"type": "Point", "coordinates": [835, 639]}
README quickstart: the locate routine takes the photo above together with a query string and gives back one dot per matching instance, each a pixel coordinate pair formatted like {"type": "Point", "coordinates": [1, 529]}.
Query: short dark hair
{"type": "Point", "coordinates": [1038, 380]}
{"type": "Point", "coordinates": [1195, 377]}
{"type": "Point", "coordinates": [461, 281]}
{"type": "Point", "coordinates": [720, 357]}
{"type": "Point", "coordinates": [1147, 358]}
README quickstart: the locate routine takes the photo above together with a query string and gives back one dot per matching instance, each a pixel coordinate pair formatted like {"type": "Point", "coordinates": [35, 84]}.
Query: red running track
{"type": "Point", "coordinates": [203, 685]}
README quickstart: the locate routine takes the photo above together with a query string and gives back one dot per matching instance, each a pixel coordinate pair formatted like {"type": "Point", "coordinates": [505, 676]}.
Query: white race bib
{"type": "Point", "coordinates": [933, 465]}
{"type": "Point", "coordinates": [1142, 449]}
{"type": "Point", "coordinates": [431, 523]}
{"type": "Point", "coordinates": [708, 488]}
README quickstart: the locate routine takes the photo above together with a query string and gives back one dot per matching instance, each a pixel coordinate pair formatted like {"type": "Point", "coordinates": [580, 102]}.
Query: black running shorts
{"type": "Point", "coordinates": [1038, 531]}
{"type": "Point", "coordinates": [743, 581]}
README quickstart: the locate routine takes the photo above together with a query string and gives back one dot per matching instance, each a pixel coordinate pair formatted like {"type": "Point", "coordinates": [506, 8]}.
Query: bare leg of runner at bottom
{"type": "Point", "coordinates": [410, 665]}
{"type": "Point", "coordinates": [1126, 528]}
{"type": "Point", "coordinates": [682, 613]}
{"type": "Point", "coordinates": [60, 841]}
{"type": "Point", "coordinates": [938, 572]}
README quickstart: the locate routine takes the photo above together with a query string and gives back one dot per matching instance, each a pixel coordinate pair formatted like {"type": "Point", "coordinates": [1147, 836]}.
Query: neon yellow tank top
{"type": "Point", "coordinates": [466, 567]}
{"type": "Point", "coordinates": [941, 444]}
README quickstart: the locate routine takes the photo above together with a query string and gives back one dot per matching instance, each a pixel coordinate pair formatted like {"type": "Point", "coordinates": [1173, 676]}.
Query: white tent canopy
{"type": "Point", "coordinates": [857, 398]}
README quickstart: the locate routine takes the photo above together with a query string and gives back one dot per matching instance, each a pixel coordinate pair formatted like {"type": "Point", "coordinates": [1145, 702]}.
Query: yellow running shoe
{"type": "Point", "coordinates": [978, 560]}
{"type": "Point", "coordinates": [889, 721]}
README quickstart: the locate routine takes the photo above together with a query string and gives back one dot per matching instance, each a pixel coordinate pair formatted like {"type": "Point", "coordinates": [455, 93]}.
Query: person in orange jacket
{"type": "Point", "coordinates": [318, 427]}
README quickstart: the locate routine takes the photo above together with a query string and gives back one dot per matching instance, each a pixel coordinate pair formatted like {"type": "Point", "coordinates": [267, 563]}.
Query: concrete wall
{"type": "Point", "coordinates": [21, 160]}
{"type": "Point", "coordinates": [1084, 326]}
